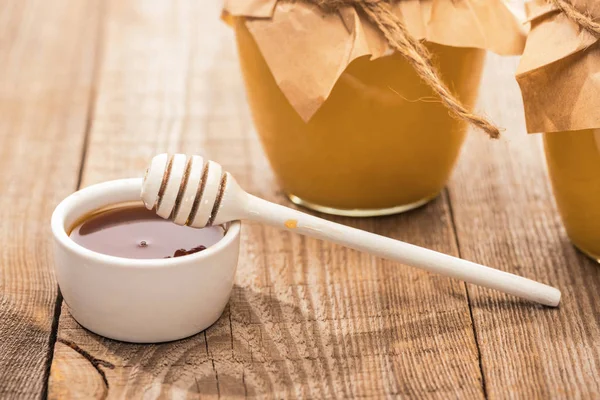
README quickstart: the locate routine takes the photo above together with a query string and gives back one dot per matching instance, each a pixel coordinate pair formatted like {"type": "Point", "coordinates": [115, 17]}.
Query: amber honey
{"type": "Point", "coordinates": [574, 167]}
{"type": "Point", "coordinates": [132, 231]}
{"type": "Point", "coordinates": [381, 143]}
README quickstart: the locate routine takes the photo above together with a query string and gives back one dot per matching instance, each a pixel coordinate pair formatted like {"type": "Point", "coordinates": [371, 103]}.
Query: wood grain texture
{"type": "Point", "coordinates": [306, 319]}
{"type": "Point", "coordinates": [505, 217]}
{"type": "Point", "coordinates": [47, 55]}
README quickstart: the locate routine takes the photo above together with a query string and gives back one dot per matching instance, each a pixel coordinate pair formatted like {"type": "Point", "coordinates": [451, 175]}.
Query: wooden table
{"type": "Point", "coordinates": [91, 90]}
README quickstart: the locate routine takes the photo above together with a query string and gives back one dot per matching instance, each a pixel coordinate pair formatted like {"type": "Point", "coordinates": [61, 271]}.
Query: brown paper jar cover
{"type": "Point", "coordinates": [307, 49]}
{"type": "Point", "coordinates": [559, 73]}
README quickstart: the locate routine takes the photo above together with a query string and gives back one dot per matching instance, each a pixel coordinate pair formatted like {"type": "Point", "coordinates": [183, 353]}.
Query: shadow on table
{"type": "Point", "coordinates": [264, 345]}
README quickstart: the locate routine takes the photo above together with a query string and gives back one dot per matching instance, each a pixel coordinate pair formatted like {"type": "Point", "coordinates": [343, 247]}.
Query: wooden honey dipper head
{"type": "Point", "coordinates": [195, 192]}
{"type": "Point", "coordinates": [191, 191]}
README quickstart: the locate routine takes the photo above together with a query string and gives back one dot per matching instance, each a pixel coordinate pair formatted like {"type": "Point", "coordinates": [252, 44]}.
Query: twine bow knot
{"type": "Point", "coordinates": [414, 51]}
{"type": "Point", "coordinates": [418, 56]}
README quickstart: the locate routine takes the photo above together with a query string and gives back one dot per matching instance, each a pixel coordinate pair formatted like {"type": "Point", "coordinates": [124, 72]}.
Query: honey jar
{"type": "Point", "coordinates": [369, 137]}
{"type": "Point", "coordinates": [573, 160]}
{"type": "Point", "coordinates": [561, 98]}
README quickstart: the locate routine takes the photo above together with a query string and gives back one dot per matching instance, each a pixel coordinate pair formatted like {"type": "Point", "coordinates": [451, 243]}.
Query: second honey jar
{"type": "Point", "coordinates": [573, 160]}
{"type": "Point", "coordinates": [560, 93]}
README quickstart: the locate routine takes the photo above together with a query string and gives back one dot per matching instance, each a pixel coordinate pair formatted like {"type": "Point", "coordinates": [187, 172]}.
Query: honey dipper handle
{"type": "Point", "coordinates": [279, 216]}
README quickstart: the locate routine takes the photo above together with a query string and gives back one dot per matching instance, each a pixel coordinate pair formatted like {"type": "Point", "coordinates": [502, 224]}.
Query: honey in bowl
{"type": "Point", "coordinates": [132, 231]}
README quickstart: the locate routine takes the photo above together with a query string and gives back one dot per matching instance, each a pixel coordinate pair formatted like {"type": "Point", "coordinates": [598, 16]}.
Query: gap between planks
{"type": "Point", "coordinates": [469, 302]}
{"type": "Point", "coordinates": [97, 56]}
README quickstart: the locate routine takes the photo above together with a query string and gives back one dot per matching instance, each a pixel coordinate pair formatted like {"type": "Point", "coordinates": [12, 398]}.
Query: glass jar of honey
{"type": "Point", "coordinates": [380, 141]}
{"type": "Point", "coordinates": [379, 144]}
{"type": "Point", "coordinates": [573, 160]}
{"type": "Point", "coordinates": [560, 93]}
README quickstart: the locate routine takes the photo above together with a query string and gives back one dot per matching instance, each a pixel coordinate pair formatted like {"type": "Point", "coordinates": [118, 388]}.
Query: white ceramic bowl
{"type": "Point", "coordinates": [141, 301]}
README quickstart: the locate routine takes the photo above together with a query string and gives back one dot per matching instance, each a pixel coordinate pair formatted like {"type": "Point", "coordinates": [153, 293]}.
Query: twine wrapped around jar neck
{"type": "Point", "coordinates": [415, 53]}
{"type": "Point", "coordinates": [582, 19]}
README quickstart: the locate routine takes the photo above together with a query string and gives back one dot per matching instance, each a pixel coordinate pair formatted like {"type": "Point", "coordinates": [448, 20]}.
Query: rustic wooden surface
{"type": "Point", "coordinates": [89, 91]}
{"type": "Point", "coordinates": [47, 60]}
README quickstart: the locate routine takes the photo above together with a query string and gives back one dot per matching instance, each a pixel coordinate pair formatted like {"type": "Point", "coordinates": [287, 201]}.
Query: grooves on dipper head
{"type": "Point", "coordinates": [199, 194]}
{"type": "Point", "coordinates": [220, 193]}
{"type": "Point", "coordinates": [182, 187]}
{"type": "Point", "coordinates": [163, 184]}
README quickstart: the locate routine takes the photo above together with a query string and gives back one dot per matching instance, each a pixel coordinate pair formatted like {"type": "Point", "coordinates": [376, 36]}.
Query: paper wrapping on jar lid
{"type": "Point", "coordinates": [307, 49]}
{"type": "Point", "coordinates": [559, 73]}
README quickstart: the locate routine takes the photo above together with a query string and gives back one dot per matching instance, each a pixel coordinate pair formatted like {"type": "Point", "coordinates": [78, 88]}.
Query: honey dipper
{"type": "Point", "coordinates": [192, 191]}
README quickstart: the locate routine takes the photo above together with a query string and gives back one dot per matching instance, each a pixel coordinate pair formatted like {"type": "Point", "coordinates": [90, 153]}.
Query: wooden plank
{"type": "Point", "coordinates": [505, 216]}
{"type": "Point", "coordinates": [306, 319]}
{"type": "Point", "coordinates": [47, 52]}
